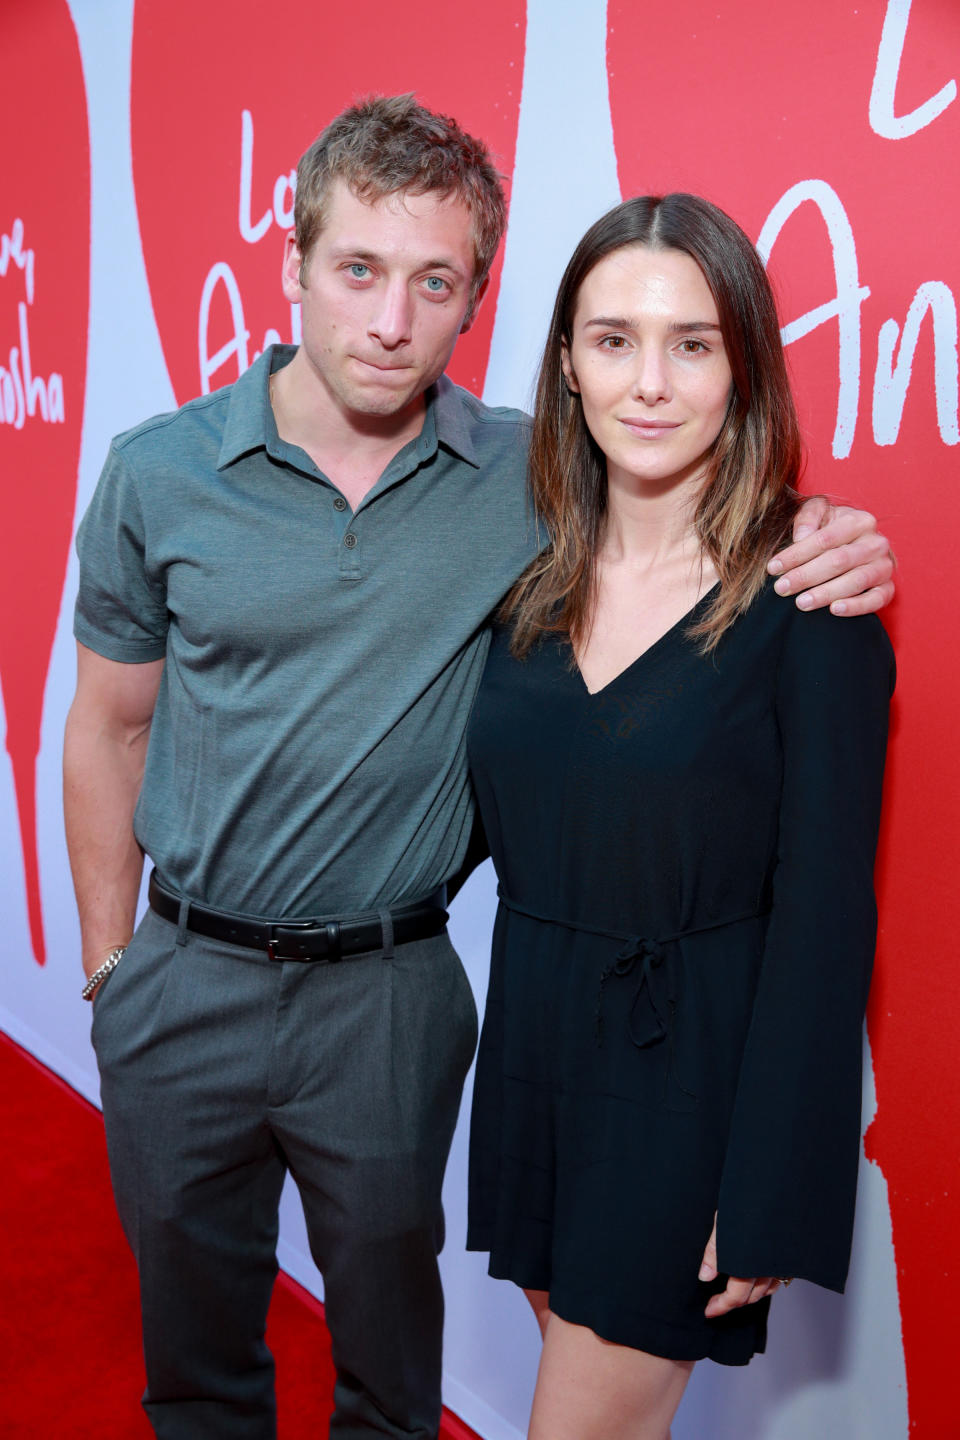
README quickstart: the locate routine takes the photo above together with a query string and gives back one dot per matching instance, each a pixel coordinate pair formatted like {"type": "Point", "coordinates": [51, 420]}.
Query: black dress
{"type": "Point", "coordinates": [680, 966]}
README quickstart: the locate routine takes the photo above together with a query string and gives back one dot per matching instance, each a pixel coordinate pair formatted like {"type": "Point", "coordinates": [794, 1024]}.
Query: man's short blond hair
{"type": "Point", "coordinates": [388, 144]}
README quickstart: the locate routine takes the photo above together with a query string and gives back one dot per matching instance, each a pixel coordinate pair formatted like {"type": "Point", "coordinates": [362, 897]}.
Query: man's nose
{"type": "Point", "coordinates": [392, 319]}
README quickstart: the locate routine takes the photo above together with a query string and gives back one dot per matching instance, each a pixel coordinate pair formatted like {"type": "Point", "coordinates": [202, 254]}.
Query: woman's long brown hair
{"type": "Point", "coordinates": [749, 496]}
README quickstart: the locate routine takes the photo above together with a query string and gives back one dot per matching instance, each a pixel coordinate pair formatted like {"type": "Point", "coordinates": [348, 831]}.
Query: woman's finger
{"type": "Point", "coordinates": [708, 1266]}
{"type": "Point", "coordinates": [737, 1293]}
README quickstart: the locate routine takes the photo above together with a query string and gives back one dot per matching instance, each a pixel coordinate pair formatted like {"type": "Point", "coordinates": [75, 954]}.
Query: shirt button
{"type": "Point", "coordinates": [350, 540]}
{"type": "Point", "coordinates": [339, 503]}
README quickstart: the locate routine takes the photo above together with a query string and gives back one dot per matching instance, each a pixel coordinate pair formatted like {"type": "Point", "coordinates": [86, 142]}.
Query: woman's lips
{"type": "Point", "coordinates": [650, 429]}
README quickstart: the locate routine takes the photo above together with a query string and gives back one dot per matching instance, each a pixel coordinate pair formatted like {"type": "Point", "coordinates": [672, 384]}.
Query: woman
{"type": "Point", "coordinates": [680, 777]}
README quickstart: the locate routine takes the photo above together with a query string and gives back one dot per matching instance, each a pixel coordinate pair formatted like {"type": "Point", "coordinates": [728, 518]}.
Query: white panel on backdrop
{"type": "Point", "coordinates": [491, 1340]}
{"type": "Point", "coordinates": [565, 176]}
{"type": "Point", "coordinates": [834, 1367]}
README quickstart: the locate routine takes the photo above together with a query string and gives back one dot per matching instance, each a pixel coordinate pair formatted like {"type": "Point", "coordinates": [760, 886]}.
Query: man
{"type": "Point", "coordinates": [283, 588]}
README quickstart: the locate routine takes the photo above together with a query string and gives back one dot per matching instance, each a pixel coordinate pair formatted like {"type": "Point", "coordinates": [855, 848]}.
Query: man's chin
{"type": "Point", "coordinates": [386, 397]}
{"type": "Point", "coordinates": [384, 405]}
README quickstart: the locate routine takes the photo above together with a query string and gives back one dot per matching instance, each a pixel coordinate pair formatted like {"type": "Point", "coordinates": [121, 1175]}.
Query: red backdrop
{"type": "Point", "coordinates": [742, 103]}
{"type": "Point", "coordinates": [44, 293]}
{"type": "Point", "coordinates": [840, 119]}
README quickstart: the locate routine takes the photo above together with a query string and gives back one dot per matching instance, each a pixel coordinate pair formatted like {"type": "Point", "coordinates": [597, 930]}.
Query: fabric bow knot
{"type": "Point", "coordinates": [654, 1000]}
{"type": "Point", "coordinates": [649, 1022]}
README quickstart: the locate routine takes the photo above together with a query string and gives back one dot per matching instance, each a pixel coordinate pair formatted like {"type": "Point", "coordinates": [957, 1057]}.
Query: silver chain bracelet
{"type": "Point", "coordinates": [101, 973]}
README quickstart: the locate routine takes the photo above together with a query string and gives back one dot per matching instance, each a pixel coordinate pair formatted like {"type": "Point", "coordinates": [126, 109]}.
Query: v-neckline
{"type": "Point", "coordinates": [649, 649]}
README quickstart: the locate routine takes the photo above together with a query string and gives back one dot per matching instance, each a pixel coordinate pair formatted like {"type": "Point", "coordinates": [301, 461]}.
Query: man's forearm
{"type": "Point", "coordinates": [102, 774]}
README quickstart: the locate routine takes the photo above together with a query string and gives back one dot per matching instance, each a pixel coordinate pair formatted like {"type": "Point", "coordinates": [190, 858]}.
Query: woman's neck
{"type": "Point", "coordinates": [650, 525]}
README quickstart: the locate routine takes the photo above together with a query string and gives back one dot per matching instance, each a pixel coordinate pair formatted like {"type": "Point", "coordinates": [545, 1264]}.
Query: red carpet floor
{"type": "Point", "coordinates": [70, 1360]}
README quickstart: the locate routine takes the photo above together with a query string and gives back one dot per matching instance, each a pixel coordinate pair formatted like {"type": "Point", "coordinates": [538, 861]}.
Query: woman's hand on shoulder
{"type": "Point", "coordinates": [837, 558]}
{"type": "Point", "coordinates": [739, 1291]}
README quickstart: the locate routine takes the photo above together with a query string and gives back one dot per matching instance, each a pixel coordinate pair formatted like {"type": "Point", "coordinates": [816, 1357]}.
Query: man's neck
{"type": "Point", "coordinates": [352, 450]}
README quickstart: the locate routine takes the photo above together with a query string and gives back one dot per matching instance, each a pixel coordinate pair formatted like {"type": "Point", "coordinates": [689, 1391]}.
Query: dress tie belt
{"type": "Point", "coordinates": [654, 1025]}
{"type": "Point", "coordinates": [654, 1004]}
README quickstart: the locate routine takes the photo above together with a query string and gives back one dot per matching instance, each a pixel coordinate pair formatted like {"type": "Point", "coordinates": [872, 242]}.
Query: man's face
{"type": "Point", "coordinates": [388, 290]}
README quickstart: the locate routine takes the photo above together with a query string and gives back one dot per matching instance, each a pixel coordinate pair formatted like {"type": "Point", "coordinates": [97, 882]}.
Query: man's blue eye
{"type": "Point", "coordinates": [436, 284]}
{"type": "Point", "coordinates": [359, 272]}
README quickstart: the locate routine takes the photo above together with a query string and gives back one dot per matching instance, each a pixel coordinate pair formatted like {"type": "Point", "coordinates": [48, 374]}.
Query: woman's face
{"type": "Point", "coordinates": [648, 360]}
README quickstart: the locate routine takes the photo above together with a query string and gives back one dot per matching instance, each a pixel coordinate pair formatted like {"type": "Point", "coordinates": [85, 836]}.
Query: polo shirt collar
{"type": "Point", "coordinates": [250, 424]}
{"type": "Point", "coordinates": [452, 420]}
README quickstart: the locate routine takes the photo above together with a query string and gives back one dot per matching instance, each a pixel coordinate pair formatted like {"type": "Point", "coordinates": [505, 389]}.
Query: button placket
{"type": "Point", "coordinates": [346, 538]}
{"type": "Point", "coordinates": [349, 549]}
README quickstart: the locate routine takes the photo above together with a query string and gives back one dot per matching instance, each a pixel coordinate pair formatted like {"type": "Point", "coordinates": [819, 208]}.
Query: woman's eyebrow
{"type": "Point", "coordinates": [623, 322]}
{"type": "Point", "coordinates": [611, 322]}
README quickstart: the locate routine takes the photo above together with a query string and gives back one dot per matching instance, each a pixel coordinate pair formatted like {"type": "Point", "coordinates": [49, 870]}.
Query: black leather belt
{"type": "Point", "coordinates": [314, 940]}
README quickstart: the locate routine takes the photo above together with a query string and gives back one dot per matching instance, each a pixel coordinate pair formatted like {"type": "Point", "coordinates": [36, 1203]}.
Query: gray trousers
{"type": "Point", "coordinates": [220, 1070]}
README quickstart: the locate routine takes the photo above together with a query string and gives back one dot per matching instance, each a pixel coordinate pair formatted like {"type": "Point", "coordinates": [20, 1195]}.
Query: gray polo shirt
{"type": "Point", "coordinates": [307, 751]}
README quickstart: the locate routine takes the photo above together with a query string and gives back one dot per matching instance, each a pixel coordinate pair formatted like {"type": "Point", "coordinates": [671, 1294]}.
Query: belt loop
{"type": "Point", "coordinates": [182, 919]}
{"type": "Point", "coordinates": [386, 925]}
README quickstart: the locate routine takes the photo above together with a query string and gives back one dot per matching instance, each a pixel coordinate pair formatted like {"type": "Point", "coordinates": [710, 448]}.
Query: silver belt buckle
{"type": "Point", "coordinates": [331, 929]}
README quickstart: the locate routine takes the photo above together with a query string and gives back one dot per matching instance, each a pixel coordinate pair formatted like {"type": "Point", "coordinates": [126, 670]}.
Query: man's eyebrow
{"type": "Point", "coordinates": [360, 253]}
{"type": "Point", "coordinates": [356, 252]}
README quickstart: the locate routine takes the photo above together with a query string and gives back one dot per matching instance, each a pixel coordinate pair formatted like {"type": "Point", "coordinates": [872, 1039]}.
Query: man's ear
{"type": "Point", "coordinates": [568, 371]}
{"type": "Point", "coordinates": [475, 304]}
{"type": "Point", "coordinates": [290, 271]}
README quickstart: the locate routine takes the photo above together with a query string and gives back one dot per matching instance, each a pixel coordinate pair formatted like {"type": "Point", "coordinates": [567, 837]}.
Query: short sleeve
{"type": "Point", "coordinates": [121, 610]}
{"type": "Point", "coordinates": [789, 1181]}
